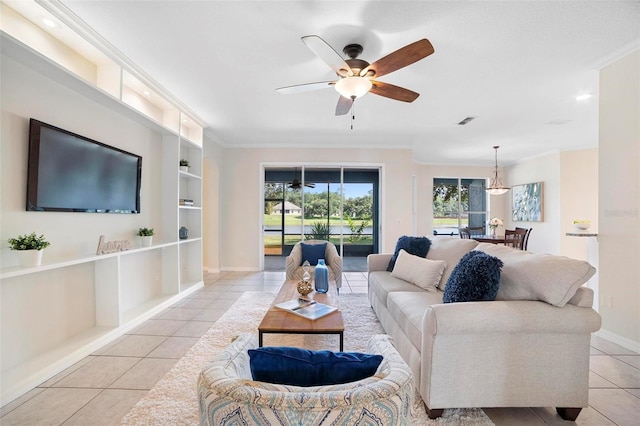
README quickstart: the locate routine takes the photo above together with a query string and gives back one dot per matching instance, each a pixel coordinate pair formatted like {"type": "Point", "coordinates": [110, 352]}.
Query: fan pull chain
{"type": "Point", "coordinates": [353, 110]}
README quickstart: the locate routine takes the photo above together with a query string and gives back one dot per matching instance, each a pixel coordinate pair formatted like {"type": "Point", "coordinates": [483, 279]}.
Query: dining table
{"type": "Point", "coordinates": [493, 239]}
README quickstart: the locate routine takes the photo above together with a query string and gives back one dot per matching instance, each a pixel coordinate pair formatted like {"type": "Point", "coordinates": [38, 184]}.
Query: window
{"type": "Point", "coordinates": [458, 203]}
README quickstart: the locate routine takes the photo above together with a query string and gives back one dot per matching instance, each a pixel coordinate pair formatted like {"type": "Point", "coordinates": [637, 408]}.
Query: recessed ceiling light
{"type": "Point", "coordinates": [146, 93]}
{"type": "Point", "coordinates": [49, 22]}
{"type": "Point", "coordinates": [184, 120]}
{"type": "Point", "coordinates": [584, 97]}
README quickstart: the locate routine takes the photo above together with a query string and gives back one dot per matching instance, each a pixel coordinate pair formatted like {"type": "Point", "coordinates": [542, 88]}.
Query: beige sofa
{"type": "Point", "coordinates": [332, 259]}
{"type": "Point", "coordinates": [516, 351]}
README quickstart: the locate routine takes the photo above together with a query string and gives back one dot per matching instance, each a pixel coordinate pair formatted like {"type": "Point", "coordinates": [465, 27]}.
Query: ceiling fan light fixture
{"type": "Point", "coordinates": [496, 186]}
{"type": "Point", "coordinates": [353, 87]}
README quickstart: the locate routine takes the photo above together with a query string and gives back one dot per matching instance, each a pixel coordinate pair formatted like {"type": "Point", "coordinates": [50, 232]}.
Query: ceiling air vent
{"type": "Point", "coordinates": [465, 121]}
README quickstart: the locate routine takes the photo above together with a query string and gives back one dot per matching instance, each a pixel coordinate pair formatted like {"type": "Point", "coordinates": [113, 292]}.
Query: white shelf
{"type": "Point", "coordinates": [17, 271]}
{"type": "Point", "coordinates": [121, 289]}
{"type": "Point", "coordinates": [189, 175]}
{"type": "Point", "coordinates": [191, 240]}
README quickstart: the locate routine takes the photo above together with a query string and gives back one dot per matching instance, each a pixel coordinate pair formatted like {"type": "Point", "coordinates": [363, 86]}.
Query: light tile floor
{"type": "Point", "coordinates": [104, 386]}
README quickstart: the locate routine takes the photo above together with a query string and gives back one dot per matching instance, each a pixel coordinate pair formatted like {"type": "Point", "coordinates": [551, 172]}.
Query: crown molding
{"type": "Point", "coordinates": [84, 30]}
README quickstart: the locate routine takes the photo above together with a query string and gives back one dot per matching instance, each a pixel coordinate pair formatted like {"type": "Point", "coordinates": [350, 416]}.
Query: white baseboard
{"type": "Point", "coordinates": [619, 340]}
{"type": "Point", "coordinates": [242, 269]}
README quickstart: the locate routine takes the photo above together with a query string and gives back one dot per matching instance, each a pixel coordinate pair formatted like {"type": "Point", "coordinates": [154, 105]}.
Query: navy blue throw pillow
{"type": "Point", "coordinates": [313, 252]}
{"type": "Point", "coordinates": [303, 367]}
{"type": "Point", "coordinates": [417, 246]}
{"type": "Point", "coordinates": [476, 277]}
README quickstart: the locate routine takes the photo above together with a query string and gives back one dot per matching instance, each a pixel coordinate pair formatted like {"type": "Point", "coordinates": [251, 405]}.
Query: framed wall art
{"type": "Point", "coordinates": [527, 203]}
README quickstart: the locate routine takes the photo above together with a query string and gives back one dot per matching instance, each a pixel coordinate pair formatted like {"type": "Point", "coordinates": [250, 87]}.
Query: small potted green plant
{"type": "Point", "coordinates": [146, 236]}
{"type": "Point", "coordinates": [30, 248]}
{"type": "Point", "coordinates": [184, 165]}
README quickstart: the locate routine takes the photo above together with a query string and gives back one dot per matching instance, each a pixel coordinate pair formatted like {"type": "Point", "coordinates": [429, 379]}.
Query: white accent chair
{"type": "Point", "coordinates": [331, 258]}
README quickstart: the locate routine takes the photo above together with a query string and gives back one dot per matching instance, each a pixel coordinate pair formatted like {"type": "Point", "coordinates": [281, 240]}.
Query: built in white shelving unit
{"type": "Point", "coordinates": [112, 293]}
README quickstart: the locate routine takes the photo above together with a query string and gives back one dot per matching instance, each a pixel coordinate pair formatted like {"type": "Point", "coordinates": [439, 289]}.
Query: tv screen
{"type": "Point", "coordinates": [71, 173]}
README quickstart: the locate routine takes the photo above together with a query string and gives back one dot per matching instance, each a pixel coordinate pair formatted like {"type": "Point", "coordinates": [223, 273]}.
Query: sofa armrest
{"type": "Point", "coordinates": [378, 262]}
{"type": "Point", "coordinates": [514, 316]}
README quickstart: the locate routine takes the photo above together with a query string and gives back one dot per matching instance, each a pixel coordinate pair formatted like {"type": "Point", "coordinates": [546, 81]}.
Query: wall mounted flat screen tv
{"type": "Point", "coordinates": [71, 173]}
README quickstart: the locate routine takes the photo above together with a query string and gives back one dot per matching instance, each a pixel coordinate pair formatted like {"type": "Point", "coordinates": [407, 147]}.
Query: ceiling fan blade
{"type": "Point", "coordinates": [306, 87]}
{"type": "Point", "coordinates": [310, 185]}
{"type": "Point", "coordinates": [400, 58]}
{"type": "Point", "coordinates": [343, 106]}
{"type": "Point", "coordinates": [394, 92]}
{"type": "Point", "coordinates": [325, 52]}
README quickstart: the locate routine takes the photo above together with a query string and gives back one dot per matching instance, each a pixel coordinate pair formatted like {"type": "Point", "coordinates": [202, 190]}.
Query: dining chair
{"type": "Point", "coordinates": [515, 238]}
{"type": "Point", "coordinates": [469, 231]}
{"type": "Point", "coordinates": [526, 237]}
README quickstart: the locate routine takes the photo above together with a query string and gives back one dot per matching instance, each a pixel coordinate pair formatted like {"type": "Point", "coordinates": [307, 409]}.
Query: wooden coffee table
{"type": "Point", "coordinates": [277, 321]}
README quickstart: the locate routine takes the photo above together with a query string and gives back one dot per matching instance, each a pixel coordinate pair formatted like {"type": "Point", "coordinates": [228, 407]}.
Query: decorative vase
{"type": "Point", "coordinates": [146, 241]}
{"type": "Point", "coordinates": [184, 169]}
{"type": "Point", "coordinates": [30, 257]}
{"type": "Point", "coordinates": [322, 277]}
{"type": "Point", "coordinates": [493, 231]}
{"type": "Point", "coordinates": [183, 233]}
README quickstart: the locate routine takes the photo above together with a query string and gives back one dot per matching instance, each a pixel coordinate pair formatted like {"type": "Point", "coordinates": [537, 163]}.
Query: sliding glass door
{"type": "Point", "coordinates": [337, 204]}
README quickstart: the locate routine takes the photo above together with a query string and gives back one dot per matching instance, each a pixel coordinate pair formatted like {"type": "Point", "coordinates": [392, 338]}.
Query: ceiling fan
{"type": "Point", "coordinates": [296, 184]}
{"type": "Point", "coordinates": [356, 76]}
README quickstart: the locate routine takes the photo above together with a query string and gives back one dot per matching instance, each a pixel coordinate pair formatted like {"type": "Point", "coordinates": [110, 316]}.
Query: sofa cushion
{"type": "Point", "coordinates": [534, 276]}
{"type": "Point", "coordinates": [476, 277]}
{"type": "Point", "coordinates": [303, 367]}
{"type": "Point", "coordinates": [418, 246]}
{"type": "Point", "coordinates": [408, 308]}
{"type": "Point", "coordinates": [417, 270]}
{"type": "Point", "coordinates": [451, 250]}
{"type": "Point", "coordinates": [381, 284]}
{"type": "Point", "coordinates": [313, 252]}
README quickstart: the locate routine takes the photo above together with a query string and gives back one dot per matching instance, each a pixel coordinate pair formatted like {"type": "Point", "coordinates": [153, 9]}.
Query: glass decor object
{"type": "Point", "coordinates": [322, 277]}
{"type": "Point", "coordinates": [306, 276]}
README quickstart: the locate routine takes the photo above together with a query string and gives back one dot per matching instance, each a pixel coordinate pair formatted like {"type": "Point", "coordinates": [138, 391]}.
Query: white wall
{"type": "Point", "coordinates": [619, 199]}
{"type": "Point", "coordinates": [579, 199]}
{"type": "Point", "coordinates": [545, 236]}
{"type": "Point", "coordinates": [26, 94]}
{"type": "Point", "coordinates": [213, 158]}
{"type": "Point", "coordinates": [239, 202]}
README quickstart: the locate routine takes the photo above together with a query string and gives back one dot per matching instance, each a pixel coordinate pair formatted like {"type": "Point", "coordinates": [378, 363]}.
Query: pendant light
{"type": "Point", "coordinates": [496, 186]}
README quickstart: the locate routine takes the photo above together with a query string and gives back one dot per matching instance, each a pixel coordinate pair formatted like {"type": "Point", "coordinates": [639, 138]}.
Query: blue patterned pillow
{"type": "Point", "coordinates": [303, 367]}
{"type": "Point", "coordinates": [417, 246]}
{"type": "Point", "coordinates": [313, 252]}
{"type": "Point", "coordinates": [475, 277]}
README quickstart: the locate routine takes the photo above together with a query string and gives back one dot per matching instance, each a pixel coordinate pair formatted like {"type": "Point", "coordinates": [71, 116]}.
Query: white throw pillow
{"type": "Point", "coordinates": [417, 270]}
{"type": "Point", "coordinates": [451, 250]}
{"type": "Point", "coordinates": [536, 276]}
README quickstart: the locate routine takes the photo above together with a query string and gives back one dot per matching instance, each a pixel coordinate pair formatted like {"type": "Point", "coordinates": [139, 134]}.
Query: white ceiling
{"type": "Point", "coordinates": [516, 66]}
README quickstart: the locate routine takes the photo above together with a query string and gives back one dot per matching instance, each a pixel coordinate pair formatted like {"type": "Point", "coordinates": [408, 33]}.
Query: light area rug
{"type": "Point", "coordinates": [173, 400]}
